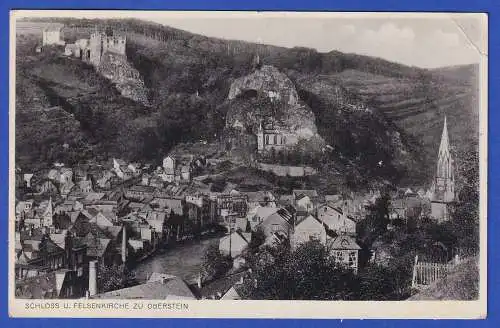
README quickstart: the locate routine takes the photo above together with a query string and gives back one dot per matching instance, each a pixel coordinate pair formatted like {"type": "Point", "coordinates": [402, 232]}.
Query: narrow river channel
{"type": "Point", "coordinates": [182, 260]}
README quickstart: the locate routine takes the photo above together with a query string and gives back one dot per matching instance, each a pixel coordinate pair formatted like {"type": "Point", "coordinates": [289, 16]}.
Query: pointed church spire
{"type": "Point", "coordinates": [445, 142]}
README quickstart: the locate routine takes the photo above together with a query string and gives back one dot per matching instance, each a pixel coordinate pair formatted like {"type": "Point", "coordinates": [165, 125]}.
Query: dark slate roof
{"type": "Point", "coordinates": [96, 247]}
{"type": "Point", "coordinates": [344, 242]}
{"type": "Point", "coordinates": [141, 188]}
{"type": "Point", "coordinates": [300, 196]}
{"type": "Point", "coordinates": [221, 286]}
{"type": "Point", "coordinates": [53, 248]}
{"type": "Point", "coordinates": [308, 192]}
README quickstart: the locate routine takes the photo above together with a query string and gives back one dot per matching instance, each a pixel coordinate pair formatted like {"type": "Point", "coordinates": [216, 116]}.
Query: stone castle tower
{"type": "Point", "coordinates": [443, 186]}
{"type": "Point", "coordinates": [101, 42]}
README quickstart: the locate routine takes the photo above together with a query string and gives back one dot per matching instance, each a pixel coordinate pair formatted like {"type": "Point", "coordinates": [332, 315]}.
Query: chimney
{"type": "Point", "coordinates": [199, 280]}
{"type": "Point", "coordinates": [68, 247]}
{"type": "Point", "coordinates": [124, 244]}
{"type": "Point", "coordinates": [92, 278]}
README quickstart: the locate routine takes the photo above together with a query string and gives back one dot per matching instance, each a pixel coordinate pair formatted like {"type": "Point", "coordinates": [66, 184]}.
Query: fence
{"type": "Point", "coordinates": [425, 273]}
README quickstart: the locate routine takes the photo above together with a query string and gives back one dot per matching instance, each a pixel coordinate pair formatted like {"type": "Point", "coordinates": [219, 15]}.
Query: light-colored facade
{"type": "Point", "coordinates": [309, 229]}
{"type": "Point", "coordinates": [336, 220]}
{"type": "Point", "coordinates": [271, 136]}
{"type": "Point", "coordinates": [100, 43]}
{"type": "Point", "coordinates": [234, 244]}
{"type": "Point", "coordinates": [345, 251]}
{"type": "Point", "coordinates": [52, 36]}
{"type": "Point", "coordinates": [169, 163]}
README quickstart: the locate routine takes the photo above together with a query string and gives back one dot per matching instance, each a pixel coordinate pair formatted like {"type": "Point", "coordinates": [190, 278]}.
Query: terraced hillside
{"type": "Point", "coordinates": [418, 105]}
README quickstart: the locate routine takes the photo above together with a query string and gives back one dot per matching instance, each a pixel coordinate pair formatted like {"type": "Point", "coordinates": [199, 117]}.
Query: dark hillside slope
{"type": "Point", "coordinates": [189, 73]}
{"type": "Point", "coordinates": [86, 111]}
{"type": "Point", "coordinates": [418, 105]}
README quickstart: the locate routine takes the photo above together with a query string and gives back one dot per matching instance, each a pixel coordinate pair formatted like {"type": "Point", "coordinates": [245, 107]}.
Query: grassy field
{"type": "Point", "coordinates": [462, 283]}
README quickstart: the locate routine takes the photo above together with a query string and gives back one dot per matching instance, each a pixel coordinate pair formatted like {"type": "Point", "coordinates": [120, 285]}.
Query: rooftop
{"type": "Point", "coordinates": [343, 242]}
{"type": "Point", "coordinates": [166, 287]}
{"type": "Point", "coordinates": [221, 286]}
{"type": "Point", "coordinates": [311, 193]}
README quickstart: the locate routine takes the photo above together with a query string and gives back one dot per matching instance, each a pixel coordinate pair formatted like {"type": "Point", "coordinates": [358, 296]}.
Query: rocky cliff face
{"type": "Point", "coordinates": [269, 80]}
{"type": "Point", "coordinates": [268, 93]}
{"type": "Point", "coordinates": [126, 78]}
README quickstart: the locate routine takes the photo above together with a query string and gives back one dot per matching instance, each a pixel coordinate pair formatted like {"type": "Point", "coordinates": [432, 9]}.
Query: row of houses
{"type": "Point", "coordinates": [303, 217]}
{"type": "Point", "coordinates": [130, 220]}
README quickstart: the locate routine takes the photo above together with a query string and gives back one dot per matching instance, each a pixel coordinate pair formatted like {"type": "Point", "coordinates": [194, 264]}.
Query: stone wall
{"type": "Point", "coordinates": [284, 170]}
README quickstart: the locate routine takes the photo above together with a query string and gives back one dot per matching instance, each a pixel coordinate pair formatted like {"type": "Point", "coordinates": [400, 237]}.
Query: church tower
{"type": "Point", "coordinates": [443, 186]}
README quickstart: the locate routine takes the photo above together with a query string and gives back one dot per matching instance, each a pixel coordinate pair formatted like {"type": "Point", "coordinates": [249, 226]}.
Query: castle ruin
{"type": "Point", "coordinates": [92, 50]}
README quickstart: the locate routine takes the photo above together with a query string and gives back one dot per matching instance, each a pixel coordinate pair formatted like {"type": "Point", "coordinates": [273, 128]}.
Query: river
{"type": "Point", "coordinates": [182, 260]}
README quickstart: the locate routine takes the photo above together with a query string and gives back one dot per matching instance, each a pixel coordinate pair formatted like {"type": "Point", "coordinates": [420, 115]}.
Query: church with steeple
{"type": "Point", "coordinates": [443, 185]}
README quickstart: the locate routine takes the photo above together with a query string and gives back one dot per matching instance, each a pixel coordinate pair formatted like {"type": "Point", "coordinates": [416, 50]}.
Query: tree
{"type": "Point", "coordinates": [112, 277]}
{"type": "Point", "coordinates": [306, 273]}
{"type": "Point", "coordinates": [383, 283]}
{"type": "Point", "coordinates": [375, 223]}
{"type": "Point", "coordinates": [258, 238]}
{"type": "Point", "coordinates": [215, 265]}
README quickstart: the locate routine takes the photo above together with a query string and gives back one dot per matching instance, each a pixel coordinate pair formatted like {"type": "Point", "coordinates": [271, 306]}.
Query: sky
{"type": "Point", "coordinates": [423, 40]}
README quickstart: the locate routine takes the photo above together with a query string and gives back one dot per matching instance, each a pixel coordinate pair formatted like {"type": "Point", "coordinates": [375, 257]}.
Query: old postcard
{"type": "Point", "coordinates": [242, 164]}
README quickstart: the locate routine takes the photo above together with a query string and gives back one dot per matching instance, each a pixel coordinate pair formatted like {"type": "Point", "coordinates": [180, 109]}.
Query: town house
{"type": "Point", "coordinates": [336, 220]}
{"type": "Point", "coordinates": [307, 229]}
{"type": "Point", "coordinates": [345, 251]}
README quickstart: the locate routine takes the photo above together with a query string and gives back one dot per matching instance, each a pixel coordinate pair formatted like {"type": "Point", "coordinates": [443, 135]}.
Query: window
{"type": "Point", "coordinates": [275, 139]}
{"type": "Point", "coordinates": [283, 140]}
{"type": "Point", "coordinates": [352, 259]}
{"type": "Point", "coordinates": [339, 256]}
{"type": "Point", "coordinates": [267, 139]}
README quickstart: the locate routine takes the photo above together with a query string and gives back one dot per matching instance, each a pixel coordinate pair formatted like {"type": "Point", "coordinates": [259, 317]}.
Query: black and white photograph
{"type": "Point", "coordinates": [235, 156]}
